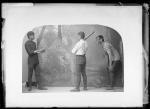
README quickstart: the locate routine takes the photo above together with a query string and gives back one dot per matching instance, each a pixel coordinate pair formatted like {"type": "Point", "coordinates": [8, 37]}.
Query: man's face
{"type": "Point", "coordinates": [31, 37]}
{"type": "Point", "coordinates": [79, 38]}
{"type": "Point", "coordinates": [99, 40]}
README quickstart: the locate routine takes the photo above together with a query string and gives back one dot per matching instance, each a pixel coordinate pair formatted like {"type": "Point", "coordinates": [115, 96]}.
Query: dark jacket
{"type": "Point", "coordinates": [30, 47]}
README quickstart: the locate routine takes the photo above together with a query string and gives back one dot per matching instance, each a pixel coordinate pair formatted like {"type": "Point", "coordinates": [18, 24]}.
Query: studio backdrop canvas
{"type": "Point", "coordinates": [57, 62]}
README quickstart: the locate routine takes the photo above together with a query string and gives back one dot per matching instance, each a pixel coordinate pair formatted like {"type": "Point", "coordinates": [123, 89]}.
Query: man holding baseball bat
{"type": "Point", "coordinates": [33, 62]}
{"type": "Point", "coordinates": [80, 50]}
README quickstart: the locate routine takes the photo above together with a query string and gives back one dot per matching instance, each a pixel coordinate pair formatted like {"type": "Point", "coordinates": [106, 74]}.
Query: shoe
{"type": "Point", "coordinates": [75, 90]}
{"type": "Point", "coordinates": [42, 88]}
{"type": "Point", "coordinates": [85, 88]}
{"type": "Point", "coordinates": [30, 88]}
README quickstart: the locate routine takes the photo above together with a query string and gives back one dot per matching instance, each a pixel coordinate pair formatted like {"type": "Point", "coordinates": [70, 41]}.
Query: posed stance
{"type": "Point", "coordinates": [114, 63]}
{"type": "Point", "coordinates": [33, 62]}
{"type": "Point", "coordinates": [80, 52]}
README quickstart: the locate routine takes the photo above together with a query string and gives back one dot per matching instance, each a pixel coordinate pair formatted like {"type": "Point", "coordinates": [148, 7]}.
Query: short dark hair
{"type": "Point", "coordinates": [100, 37]}
{"type": "Point", "coordinates": [82, 34]}
{"type": "Point", "coordinates": [30, 33]}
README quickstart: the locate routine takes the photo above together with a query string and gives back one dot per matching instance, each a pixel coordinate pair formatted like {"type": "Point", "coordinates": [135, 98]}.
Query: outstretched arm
{"type": "Point", "coordinates": [110, 60]}
{"type": "Point", "coordinates": [108, 50]}
{"type": "Point", "coordinates": [39, 50]}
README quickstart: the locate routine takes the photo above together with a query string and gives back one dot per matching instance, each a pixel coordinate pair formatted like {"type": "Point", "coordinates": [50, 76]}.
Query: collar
{"type": "Point", "coordinates": [81, 39]}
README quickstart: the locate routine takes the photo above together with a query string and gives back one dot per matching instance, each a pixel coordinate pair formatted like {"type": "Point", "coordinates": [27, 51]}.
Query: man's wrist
{"type": "Point", "coordinates": [36, 51]}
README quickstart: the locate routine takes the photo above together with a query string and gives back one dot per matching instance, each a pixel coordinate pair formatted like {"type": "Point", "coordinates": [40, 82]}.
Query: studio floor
{"type": "Point", "coordinates": [67, 89]}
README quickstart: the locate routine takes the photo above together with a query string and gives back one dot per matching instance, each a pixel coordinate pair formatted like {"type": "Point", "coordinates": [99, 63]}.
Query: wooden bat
{"type": "Point", "coordinates": [89, 35]}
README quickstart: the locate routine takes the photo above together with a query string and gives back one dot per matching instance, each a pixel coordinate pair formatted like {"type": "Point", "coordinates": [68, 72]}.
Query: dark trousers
{"type": "Point", "coordinates": [80, 71]}
{"type": "Point", "coordinates": [36, 69]}
{"type": "Point", "coordinates": [116, 67]}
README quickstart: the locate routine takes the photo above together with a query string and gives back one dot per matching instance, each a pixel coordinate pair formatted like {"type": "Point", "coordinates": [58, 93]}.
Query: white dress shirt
{"type": "Point", "coordinates": [80, 48]}
{"type": "Point", "coordinates": [112, 52]}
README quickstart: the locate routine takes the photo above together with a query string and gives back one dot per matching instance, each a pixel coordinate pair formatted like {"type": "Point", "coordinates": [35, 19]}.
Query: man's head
{"type": "Point", "coordinates": [82, 34]}
{"type": "Point", "coordinates": [100, 38]}
{"type": "Point", "coordinates": [30, 35]}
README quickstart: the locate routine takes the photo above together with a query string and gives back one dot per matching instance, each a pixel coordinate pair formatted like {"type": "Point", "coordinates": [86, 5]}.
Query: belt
{"type": "Point", "coordinates": [80, 55]}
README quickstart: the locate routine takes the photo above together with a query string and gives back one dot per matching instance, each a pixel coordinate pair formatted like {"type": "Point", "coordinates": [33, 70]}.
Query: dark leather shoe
{"type": "Point", "coordinates": [42, 88]}
{"type": "Point", "coordinates": [30, 88]}
{"type": "Point", "coordinates": [75, 90]}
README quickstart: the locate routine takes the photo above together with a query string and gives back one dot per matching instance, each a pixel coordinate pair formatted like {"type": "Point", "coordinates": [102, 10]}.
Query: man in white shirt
{"type": "Point", "coordinates": [114, 63]}
{"type": "Point", "coordinates": [80, 51]}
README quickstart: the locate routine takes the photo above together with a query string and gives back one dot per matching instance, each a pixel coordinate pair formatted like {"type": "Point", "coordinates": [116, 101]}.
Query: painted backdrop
{"type": "Point", "coordinates": [57, 62]}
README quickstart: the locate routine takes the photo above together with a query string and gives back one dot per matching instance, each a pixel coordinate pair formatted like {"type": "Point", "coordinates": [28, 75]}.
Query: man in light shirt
{"type": "Point", "coordinates": [114, 63]}
{"type": "Point", "coordinates": [80, 51]}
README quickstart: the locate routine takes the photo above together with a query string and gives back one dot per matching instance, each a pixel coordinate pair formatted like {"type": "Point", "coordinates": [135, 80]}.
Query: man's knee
{"type": "Point", "coordinates": [30, 66]}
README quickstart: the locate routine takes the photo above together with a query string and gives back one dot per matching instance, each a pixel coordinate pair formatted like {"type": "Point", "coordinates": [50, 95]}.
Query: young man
{"type": "Point", "coordinates": [33, 62]}
{"type": "Point", "coordinates": [80, 51]}
{"type": "Point", "coordinates": [114, 62]}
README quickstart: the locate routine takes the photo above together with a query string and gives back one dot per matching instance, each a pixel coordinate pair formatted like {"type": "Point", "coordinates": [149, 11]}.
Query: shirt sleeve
{"type": "Point", "coordinates": [109, 52]}
{"type": "Point", "coordinates": [29, 50]}
{"type": "Point", "coordinates": [75, 48]}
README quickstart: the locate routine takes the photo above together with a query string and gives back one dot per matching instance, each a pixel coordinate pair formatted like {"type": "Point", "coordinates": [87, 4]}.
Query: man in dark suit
{"type": "Point", "coordinates": [33, 62]}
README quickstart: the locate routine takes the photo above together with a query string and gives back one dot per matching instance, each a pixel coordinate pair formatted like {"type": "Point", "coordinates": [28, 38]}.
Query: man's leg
{"type": "Point", "coordinates": [38, 77]}
{"type": "Point", "coordinates": [30, 72]}
{"type": "Point", "coordinates": [115, 65]}
{"type": "Point", "coordinates": [84, 76]}
{"type": "Point", "coordinates": [77, 78]}
{"type": "Point", "coordinates": [111, 76]}
{"type": "Point", "coordinates": [117, 70]}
